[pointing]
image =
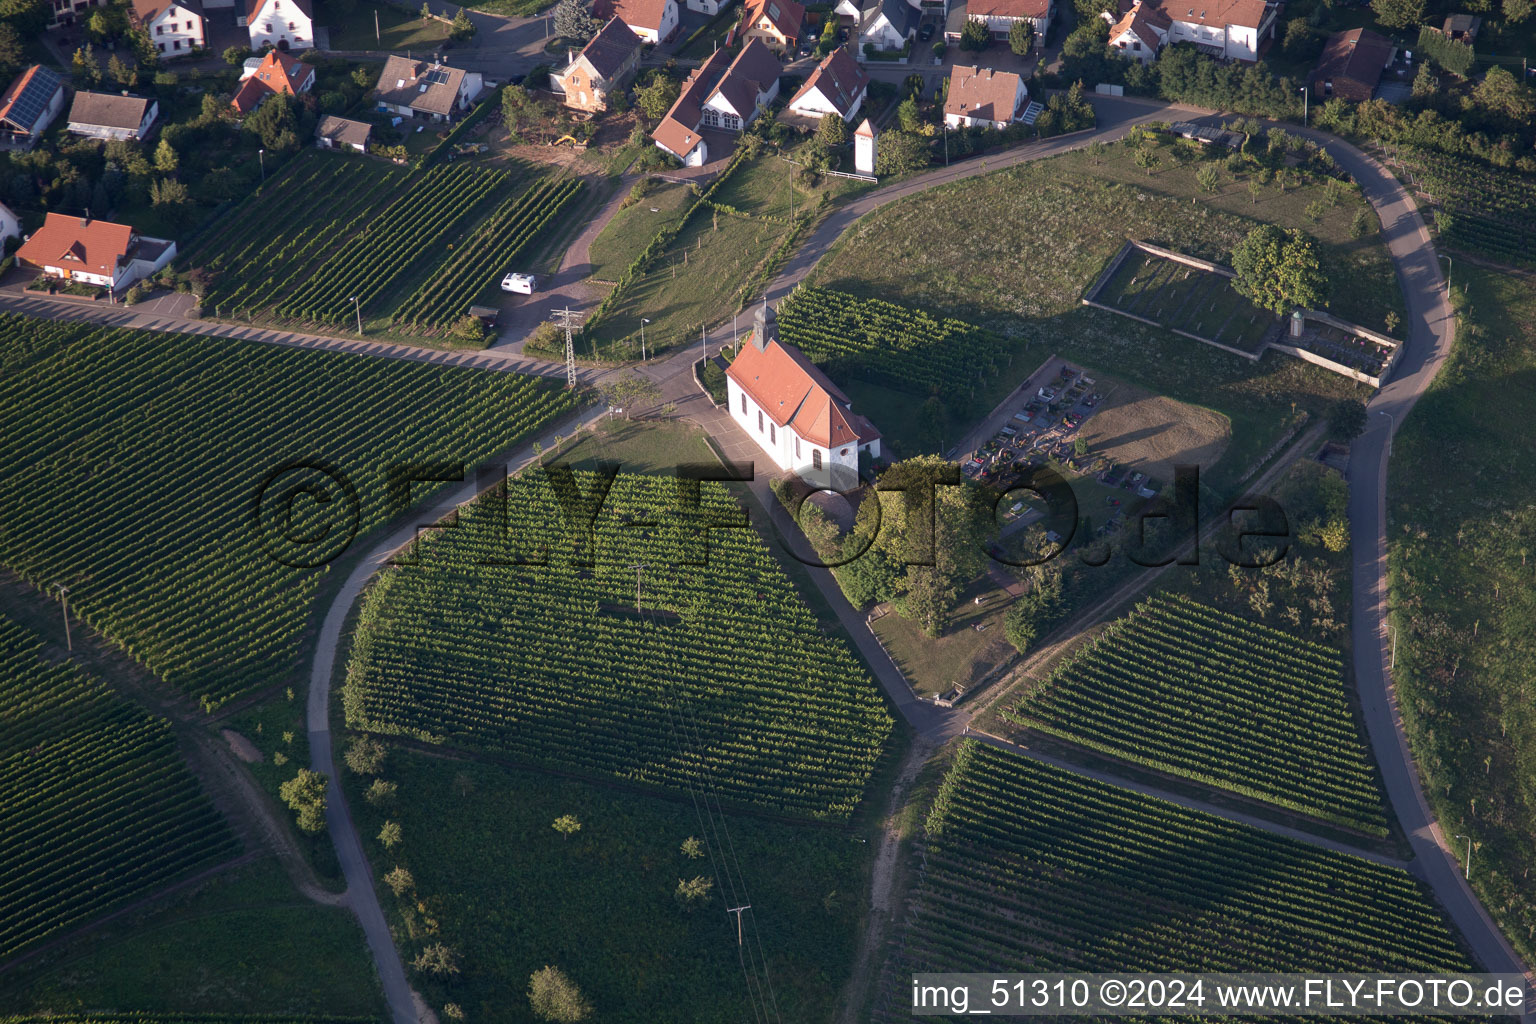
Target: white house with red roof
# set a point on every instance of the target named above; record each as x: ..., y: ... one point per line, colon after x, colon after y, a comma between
x: 654, y: 21
x: 94, y: 252
x: 284, y: 24
x: 837, y: 86
x: 275, y: 73
x: 1229, y: 29
x: 678, y: 133
x: 798, y: 417
x: 745, y: 90
x: 983, y: 96
x: 1000, y: 16
x: 175, y: 27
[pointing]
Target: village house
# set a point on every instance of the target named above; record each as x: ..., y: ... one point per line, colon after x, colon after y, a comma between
x: 654, y: 21
x: 798, y: 417
x: 678, y: 132
x: 175, y: 28
x: 709, y: 7
x: 776, y: 22
x: 276, y: 73
x: 1001, y: 15
x: 984, y: 96
x: 605, y: 65
x: 888, y: 25
x: 1351, y: 65
x: 431, y: 90
x: 10, y: 224
x: 748, y: 86
x: 284, y: 24
x: 108, y: 115
x: 343, y: 133
x: 30, y: 105
x: 1228, y: 29
x: 837, y: 86
x: 95, y: 252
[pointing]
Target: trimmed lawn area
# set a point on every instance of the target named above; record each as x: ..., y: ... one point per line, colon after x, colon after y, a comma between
x: 513, y: 8
x: 398, y: 29
x: 1186, y: 298
x: 762, y: 187
x: 245, y: 942
x: 964, y: 654
x: 1462, y: 533
x: 632, y: 229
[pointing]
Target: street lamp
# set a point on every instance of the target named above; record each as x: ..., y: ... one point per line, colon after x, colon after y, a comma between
x: 357, y: 307
x: 1468, y: 875
x: 1450, y: 265
x: 1391, y: 428
x: 1306, y: 102
x: 643, y: 322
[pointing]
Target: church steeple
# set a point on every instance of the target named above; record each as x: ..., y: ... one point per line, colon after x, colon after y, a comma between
x: 764, y: 326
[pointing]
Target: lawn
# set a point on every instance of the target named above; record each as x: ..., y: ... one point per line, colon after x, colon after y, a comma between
x: 600, y: 905
x: 632, y: 229
x: 1186, y: 298
x: 513, y: 8
x: 242, y: 943
x: 963, y: 654
x: 1461, y: 531
x: 398, y: 30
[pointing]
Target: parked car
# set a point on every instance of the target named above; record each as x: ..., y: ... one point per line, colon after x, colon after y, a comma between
x: 926, y: 32
x: 522, y: 284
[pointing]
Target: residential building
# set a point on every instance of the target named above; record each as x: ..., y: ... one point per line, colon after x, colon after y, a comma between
x: 94, y: 251
x: 284, y: 24
x: 108, y: 115
x: 433, y: 91
x: 1140, y: 33
x: 10, y: 224
x: 343, y: 133
x: 866, y: 146
x: 29, y: 106
x: 837, y: 86
x: 745, y: 90
x: 1228, y: 29
x: 798, y: 417
x: 984, y: 96
x: 1000, y: 15
x: 709, y: 7
x: 678, y: 133
x: 605, y: 65
x: 1462, y: 27
x: 1351, y: 65
x: 66, y: 12
x: 275, y: 73
x: 175, y: 27
x: 776, y: 22
x: 889, y: 25
x: 654, y: 21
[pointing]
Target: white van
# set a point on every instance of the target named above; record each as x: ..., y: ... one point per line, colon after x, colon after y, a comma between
x: 522, y: 284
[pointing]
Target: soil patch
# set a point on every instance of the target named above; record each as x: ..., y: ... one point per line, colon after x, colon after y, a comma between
x: 1152, y: 434
x: 244, y: 749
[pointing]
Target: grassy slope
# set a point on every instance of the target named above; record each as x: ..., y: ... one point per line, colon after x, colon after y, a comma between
x: 243, y: 942
x: 632, y: 229
x: 1461, y: 532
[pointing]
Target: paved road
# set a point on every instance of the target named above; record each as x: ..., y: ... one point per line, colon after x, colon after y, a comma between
x: 362, y: 894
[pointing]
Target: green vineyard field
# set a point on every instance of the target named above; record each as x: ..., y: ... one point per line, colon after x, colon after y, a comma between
x: 1492, y: 210
x: 135, y: 459
x: 722, y: 678
x: 96, y: 804
x: 1205, y: 694
x: 1029, y: 868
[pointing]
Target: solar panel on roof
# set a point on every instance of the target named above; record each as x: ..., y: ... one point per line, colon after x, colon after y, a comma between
x: 34, y: 99
x: 436, y: 77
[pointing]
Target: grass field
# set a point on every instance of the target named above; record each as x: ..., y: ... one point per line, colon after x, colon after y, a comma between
x: 397, y: 29
x: 244, y: 942
x: 1182, y: 688
x: 96, y: 803
x: 1186, y: 299
x: 1029, y: 868
x: 632, y: 229
x: 141, y: 498
x: 600, y: 905
x: 555, y: 665
x: 1461, y: 532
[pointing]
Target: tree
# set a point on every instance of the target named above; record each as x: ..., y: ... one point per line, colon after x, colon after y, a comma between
x: 832, y: 130
x: 693, y: 891
x: 1399, y: 13
x: 692, y: 848
x: 574, y: 21
x: 656, y: 99
x: 437, y: 959
x: 27, y: 17
x: 908, y: 116
x: 567, y: 825
x: 974, y: 36
x: 1426, y: 83
x: 1021, y: 36
x: 1516, y: 11
x: 399, y: 881
x: 1209, y: 178
x: 389, y: 835
x: 169, y: 192
x: 365, y: 755
x: 1147, y: 161
x: 1502, y: 93
x: 628, y: 392
x: 380, y: 792
x: 123, y: 73
x: 305, y: 795
x: 87, y: 70
x: 1346, y: 420
x: 462, y: 28
x: 13, y: 52
x: 234, y: 56
x: 554, y: 997
x: 1299, y: 40
x: 166, y: 160
x: 426, y: 11
x: 469, y: 330
x: 1279, y: 270
x: 1364, y: 224
x: 899, y: 152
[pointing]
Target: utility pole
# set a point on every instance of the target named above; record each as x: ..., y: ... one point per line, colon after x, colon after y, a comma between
x: 643, y: 322
x: 568, y: 318
x: 64, y: 597
x: 737, y: 911
x: 358, y: 308
x: 735, y: 343
x: 637, y: 567
x: 1450, y: 265
x: 378, y: 36
x: 1468, y: 875
x: 703, y: 348
x: 1392, y: 667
